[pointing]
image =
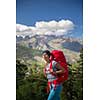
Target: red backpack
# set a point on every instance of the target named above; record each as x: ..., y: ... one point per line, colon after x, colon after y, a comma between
x: 59, y: 57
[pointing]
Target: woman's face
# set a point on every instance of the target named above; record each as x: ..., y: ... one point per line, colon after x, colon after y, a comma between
x: 45, y: 57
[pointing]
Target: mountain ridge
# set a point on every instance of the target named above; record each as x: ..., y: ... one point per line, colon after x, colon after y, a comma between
x: 70, y: 46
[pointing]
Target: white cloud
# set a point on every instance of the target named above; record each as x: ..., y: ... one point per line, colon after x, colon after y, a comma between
x: 47, y: 28
x: 20, y: 27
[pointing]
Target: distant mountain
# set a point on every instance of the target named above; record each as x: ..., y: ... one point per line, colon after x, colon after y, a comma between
x: 46, y: 42
x: 70, y: 46
x: 74, y: 46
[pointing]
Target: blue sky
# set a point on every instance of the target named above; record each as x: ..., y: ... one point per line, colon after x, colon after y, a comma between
x: 28, y: 12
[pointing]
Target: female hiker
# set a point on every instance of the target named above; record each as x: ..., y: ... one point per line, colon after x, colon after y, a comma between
x: 52, y: 74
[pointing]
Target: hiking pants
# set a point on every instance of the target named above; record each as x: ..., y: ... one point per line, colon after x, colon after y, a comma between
x: 55, y: 92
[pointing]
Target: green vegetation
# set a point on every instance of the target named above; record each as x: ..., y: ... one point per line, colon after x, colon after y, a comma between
x: 73, y: 87
x: 31, y: 83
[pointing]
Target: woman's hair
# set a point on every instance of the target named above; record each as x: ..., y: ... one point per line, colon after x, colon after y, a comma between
x: 47, y: 52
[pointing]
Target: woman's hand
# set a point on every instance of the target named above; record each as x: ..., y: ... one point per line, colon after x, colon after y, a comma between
x: 61, y: 69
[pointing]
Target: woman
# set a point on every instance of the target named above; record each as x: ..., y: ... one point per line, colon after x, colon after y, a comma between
x: 52, y: 74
